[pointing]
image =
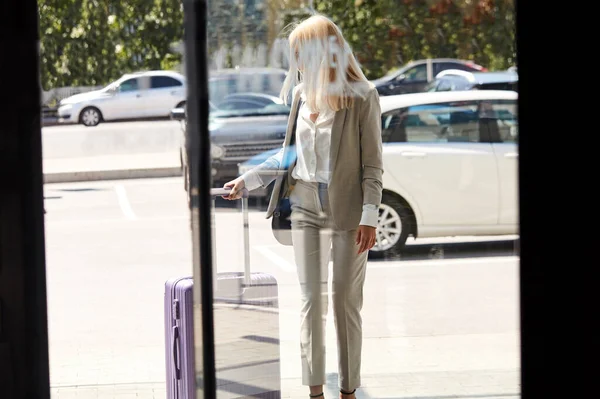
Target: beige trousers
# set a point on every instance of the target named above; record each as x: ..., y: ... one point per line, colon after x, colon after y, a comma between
x: 315, y: 239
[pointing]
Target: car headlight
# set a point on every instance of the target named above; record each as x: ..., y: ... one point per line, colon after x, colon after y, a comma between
x: 216, y: 152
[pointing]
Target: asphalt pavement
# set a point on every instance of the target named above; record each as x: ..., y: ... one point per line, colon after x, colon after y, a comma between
x: 439, y: 322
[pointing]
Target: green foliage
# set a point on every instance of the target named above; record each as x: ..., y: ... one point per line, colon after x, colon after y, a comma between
x: 385, y: 34
x: 92, y: 42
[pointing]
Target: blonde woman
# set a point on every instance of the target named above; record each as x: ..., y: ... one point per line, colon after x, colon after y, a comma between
x: 334, y: 187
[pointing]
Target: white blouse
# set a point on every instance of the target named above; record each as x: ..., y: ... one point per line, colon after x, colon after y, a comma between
x: 313, y: 143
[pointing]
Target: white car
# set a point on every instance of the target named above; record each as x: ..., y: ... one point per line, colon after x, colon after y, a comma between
x: 450, y: 166
x: 138, y: 95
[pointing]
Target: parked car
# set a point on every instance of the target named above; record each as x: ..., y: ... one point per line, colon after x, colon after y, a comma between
x: 236, y: 136
x: 450, y: 166
x: 414, y: 76
x: 453, y: 79
x: 224, y: 82
x: 148, y: 94
x: 239, y: 101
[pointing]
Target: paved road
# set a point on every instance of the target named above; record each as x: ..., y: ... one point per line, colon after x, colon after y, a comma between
x: 78, y: 141
x: 440, y: 322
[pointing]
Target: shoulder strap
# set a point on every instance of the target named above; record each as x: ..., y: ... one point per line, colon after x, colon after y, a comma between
x: 288, y: 155
x: 293, y: 138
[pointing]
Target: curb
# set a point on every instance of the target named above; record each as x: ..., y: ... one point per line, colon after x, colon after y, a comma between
x: 50, y: 122
x: 93, y: 175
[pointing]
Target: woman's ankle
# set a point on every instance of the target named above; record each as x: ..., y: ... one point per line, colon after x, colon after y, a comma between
x: 316, y: 391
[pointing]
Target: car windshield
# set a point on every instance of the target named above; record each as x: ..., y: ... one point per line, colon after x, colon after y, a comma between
x: 396, y: 71
x: 110, y: 86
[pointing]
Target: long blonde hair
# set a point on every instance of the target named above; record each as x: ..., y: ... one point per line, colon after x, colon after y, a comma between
x: 330, y: 75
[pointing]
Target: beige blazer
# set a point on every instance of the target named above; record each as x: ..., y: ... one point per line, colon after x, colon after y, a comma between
x: 355, y: 159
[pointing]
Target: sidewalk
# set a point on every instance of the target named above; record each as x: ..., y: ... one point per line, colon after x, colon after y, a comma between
x: 112, y: 167
x: 433, y: 329
x: 421, y: 367
x: 249, y: 364
x: 256, y: 347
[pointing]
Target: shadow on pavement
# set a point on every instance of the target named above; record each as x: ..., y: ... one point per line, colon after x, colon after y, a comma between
x: 77, y: 190
x: 452, y: 250
x: 457, y: 250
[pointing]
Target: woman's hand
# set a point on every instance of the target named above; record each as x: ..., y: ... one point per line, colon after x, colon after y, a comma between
x: 236, y: 186
x: 365, y: 238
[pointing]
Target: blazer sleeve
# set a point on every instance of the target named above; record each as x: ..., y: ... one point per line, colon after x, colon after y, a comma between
x: 371, y: 148
x: 266, y: 172
x: 262, y: 175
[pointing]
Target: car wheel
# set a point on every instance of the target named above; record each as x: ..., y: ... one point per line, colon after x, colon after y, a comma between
x: 90, y: 116
x: 180, y: 105
x: 393, y: 227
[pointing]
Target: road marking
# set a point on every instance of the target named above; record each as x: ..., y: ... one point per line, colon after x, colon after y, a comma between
x: 276, y: 259
x: 442, y: 262
x: 124, y: 202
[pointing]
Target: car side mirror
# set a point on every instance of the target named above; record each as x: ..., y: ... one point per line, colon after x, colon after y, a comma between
x: 400, y: 77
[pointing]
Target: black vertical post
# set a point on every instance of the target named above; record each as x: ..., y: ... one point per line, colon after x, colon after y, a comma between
x: 200, y: 181
x: 24, y: 369
x: 537, y: 230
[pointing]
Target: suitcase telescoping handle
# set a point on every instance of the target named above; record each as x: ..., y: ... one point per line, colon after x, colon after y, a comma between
x: 216, y: 192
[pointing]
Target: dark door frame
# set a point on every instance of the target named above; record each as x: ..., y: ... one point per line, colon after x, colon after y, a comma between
x: 24, y: 368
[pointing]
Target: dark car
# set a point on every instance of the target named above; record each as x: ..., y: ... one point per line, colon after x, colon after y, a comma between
x: 236, y: 136
x: 414, y: 76
x: 225, y: 82
x: 451, y: 80
x: 238, y: 101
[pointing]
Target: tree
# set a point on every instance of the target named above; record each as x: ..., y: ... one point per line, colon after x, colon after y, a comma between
x: 385, y: 34
x: 92, y: 42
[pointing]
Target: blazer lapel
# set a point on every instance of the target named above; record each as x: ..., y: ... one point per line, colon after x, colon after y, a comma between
x: 336, y: 136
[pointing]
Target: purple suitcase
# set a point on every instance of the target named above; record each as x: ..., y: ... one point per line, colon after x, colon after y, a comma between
x: 179, y: 338
x: 261, y: 336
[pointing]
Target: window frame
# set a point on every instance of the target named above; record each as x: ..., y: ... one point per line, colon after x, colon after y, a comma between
x: 483, y: 134
x: 406, y: 74
x: 495, y: 137
x: 155, y: 77
x: 137, y: 84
